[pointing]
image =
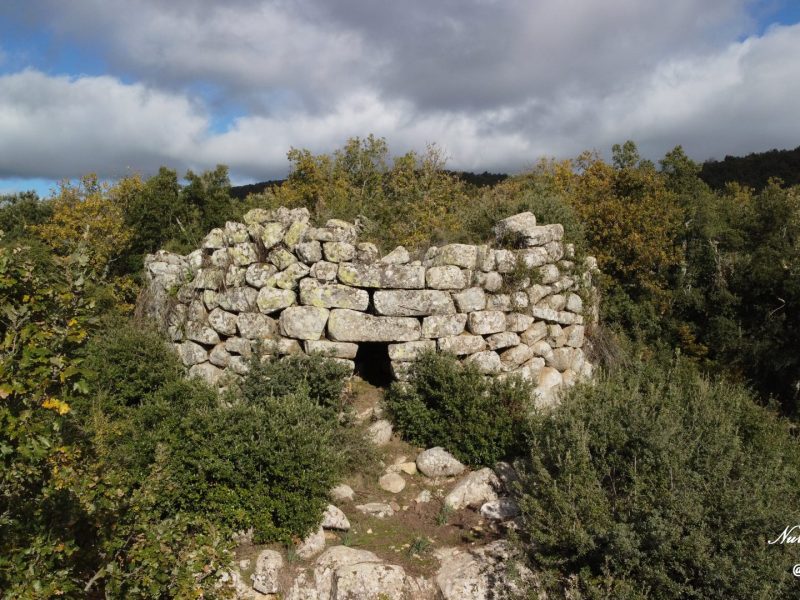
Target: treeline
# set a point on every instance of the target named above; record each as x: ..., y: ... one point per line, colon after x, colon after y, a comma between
x: 754, y: 170
x: 91, y: 506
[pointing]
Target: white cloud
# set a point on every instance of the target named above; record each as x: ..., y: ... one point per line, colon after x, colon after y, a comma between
x: 734, y: 98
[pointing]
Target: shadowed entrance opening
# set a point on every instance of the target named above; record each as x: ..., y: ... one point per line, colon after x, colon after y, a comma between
x: 373, y: 365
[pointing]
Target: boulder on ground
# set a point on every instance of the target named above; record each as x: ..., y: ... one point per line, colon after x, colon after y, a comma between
x: 438, y: 462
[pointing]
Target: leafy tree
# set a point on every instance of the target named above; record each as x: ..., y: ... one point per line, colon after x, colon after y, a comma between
x: 209, y: 195
x: 20, y: 211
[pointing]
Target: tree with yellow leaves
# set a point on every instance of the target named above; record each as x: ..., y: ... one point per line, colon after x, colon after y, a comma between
x: 88, y: 219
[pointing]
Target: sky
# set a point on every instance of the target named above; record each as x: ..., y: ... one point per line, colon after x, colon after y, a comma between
x: 118, y: 87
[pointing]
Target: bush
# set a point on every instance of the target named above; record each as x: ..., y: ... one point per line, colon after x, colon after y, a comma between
x: 322, y: 380
x: 450, y: 404
x: 658, y: 483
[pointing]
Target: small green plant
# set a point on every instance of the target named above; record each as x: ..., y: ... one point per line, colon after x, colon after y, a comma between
x: 444, y: 514
x: 419, y: 546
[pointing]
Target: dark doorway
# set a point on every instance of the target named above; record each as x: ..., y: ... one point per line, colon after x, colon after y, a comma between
x: 373, y: 365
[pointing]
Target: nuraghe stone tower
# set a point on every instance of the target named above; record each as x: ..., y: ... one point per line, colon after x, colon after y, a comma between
x: 278, y: 283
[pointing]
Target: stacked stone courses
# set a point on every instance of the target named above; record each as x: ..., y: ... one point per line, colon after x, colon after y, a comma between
x: 278, y: 285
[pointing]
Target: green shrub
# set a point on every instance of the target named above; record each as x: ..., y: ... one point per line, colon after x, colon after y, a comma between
x: 450, y: 404
x: 658, y: 483
x: 319, y: 378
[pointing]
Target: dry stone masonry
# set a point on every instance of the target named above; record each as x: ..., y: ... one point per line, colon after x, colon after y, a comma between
x: 280, y: 285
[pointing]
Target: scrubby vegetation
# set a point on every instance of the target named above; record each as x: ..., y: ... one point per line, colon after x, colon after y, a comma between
x: 121, y: 479
x: 451, y: 404
x: 660, y: 483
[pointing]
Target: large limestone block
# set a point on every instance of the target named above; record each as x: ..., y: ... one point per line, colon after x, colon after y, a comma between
x: 409, y: 277
x: 334, y: 518
x: 337, y: 252
x: 271, y: 234
x: 533, y: 257
x: 514, y: 226
x: 208, y: 279
x: 207, y: 372
x: 222, y: 321
x: 360, y: 274
x: 309, y: 252
x: 412, y: 303
x: 491, y: 281
x: 437, y: 326
x: 367, y: 252
x: 243, y: 254
x: 566, y: 358
x: 236, y: 233
x: 197, y: 332
x: 304, y: 322
x: 346, y: 325
x: 460, y: 255
x: 398, y: 256
x: 254, y: 326
x: 237, y: 345
x: 575, y: 335
x: 462, y: 344
x: 561, y: 317
x: 534, y: 333
x: 516, y: 356
x: 332, y: 295
x: 488, y: 362
x: 324, y: 271
x: 272, y: 300
x: 447, y: 277
x: 259, y: 275
x: 408, y: 351
x: 335, y: 558
x: 241, y: 299
x: 219, y: 356
x: 470, y: 300
x: 346, y: 350
x: 518, y: 322
x: 191, y: 353
x: 506, y: 260
x: 575, y: 304
x: 504, y: 339
x: 288, y: 278
x: 485, y: 322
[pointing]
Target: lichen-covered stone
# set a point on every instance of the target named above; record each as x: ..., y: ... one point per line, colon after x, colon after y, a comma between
x: 288, y: 278
x: 461, y: 344
x: 235, y: 233
x: 518, y: 322
x: 575, y: 336
x: 208, y: 279
x: 219, y: 356
x: 516, y: 356
x: 533, y: 257
x: 243, y: 254
x: 412, y: 303
x: 281, y: 258
x: 504, y: 339
x: 259, y: 275
x: 534, y: 333
x: 408, y: 351
x: 309, y: 252
x: 499, y: 302
x: 488, y: 362
x: 351, y: 326
x: 324, y: 271
x: 237, y: 345
x: 367, y: 252
x: 222, y: 321
x: 191, y: 353
x: 198, y: 332
x: 304, y: 322
x: 398, y: 256
x: 295, y: 233
x: 272, y: 300
x: 207, y: 372
x: 460, y: 255
x: 255, y: 326
x: 438, y: 462
x: 491, y: 282
x: 215, y: 239
x: 470, y: 300
x: 332, y: 295
x: 574, y: 304
x: 409, y: 277
x: 446, y: 277
x: 437, y: 326
x: 337, y: 252
x: 360, y: 275
x: 333, y: 349
x: 485, y: 322
x: 241, y: 299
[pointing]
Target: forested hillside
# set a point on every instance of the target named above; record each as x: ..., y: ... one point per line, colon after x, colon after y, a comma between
x: 754, y: 170
x: 123, y: 479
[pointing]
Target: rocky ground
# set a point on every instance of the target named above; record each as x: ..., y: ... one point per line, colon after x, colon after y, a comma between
x: 419, y: 524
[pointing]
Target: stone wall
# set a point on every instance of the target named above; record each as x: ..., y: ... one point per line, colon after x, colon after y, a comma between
x: 278, y: 281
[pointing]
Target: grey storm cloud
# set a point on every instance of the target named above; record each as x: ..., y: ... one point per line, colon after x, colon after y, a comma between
x: 498, y: 83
